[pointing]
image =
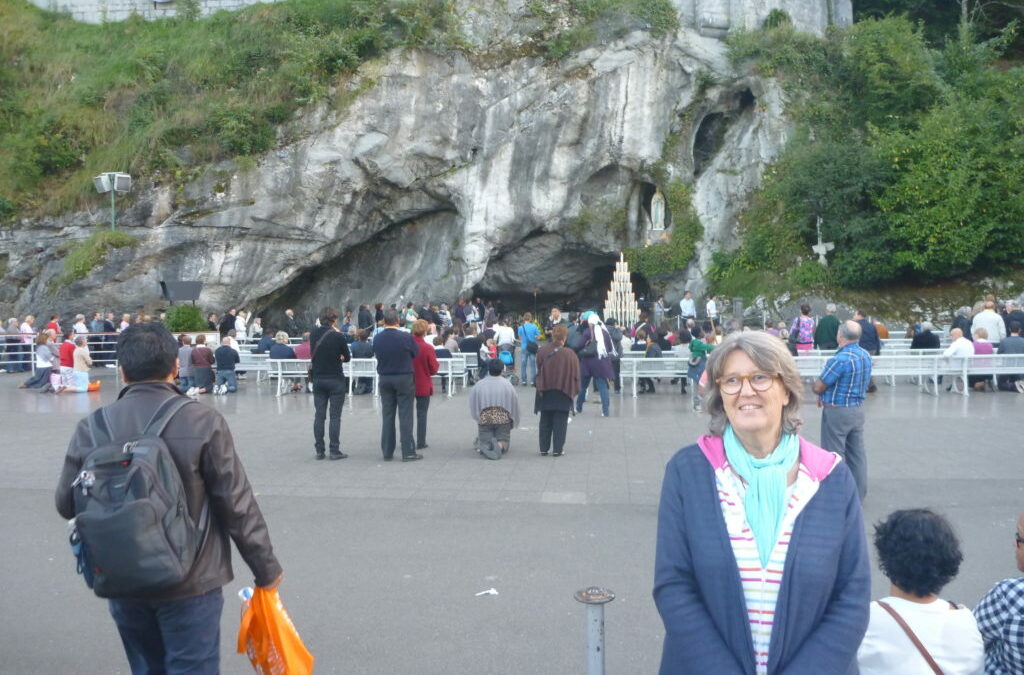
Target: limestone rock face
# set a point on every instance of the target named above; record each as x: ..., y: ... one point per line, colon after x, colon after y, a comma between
x: 450, y: 174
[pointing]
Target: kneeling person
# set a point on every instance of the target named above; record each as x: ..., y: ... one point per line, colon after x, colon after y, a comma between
x: 494, y: 404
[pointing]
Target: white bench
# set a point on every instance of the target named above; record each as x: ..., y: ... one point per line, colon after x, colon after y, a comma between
x: 253, y: 363
x: 927, y: 367
x: 668, y: 366
x: 453, y: 369
x: 360, y: 368
x: 287, y: 369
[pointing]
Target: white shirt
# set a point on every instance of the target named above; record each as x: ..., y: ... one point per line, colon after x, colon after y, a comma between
x: 991, y: 322
x: 240, y: 325
x: 959, y: 348
x: 687, y: 307
x: 712, y: 309
x: 950, y: 635
x: 504, y: 335
x: 80, y: 328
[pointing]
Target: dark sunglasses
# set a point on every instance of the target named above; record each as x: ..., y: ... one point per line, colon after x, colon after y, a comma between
x: 1020, y: 539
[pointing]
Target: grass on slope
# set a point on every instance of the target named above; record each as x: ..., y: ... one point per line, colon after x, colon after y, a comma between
x: 77, y: 99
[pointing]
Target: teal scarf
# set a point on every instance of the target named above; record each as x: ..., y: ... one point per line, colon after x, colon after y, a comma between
x: 765, y: 500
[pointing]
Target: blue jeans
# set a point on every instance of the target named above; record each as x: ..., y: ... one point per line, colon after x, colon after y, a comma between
x: 177, y: 636
x: 186, y: 382
x: 229, y: 378
x: 602, y: 388
x: 528, y: 367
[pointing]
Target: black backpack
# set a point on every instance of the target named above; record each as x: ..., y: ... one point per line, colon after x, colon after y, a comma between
x: 576, y: 339
x: 132, y: 531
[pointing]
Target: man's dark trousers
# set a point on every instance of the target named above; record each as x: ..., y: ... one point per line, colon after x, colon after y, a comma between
x: 842, y: 431
x: 177, y: 636
x: 396, y: 394
x: 328, y: 390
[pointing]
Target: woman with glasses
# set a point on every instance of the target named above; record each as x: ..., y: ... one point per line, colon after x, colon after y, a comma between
x: 761, y: 563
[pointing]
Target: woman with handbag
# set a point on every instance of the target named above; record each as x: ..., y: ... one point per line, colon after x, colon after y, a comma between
x: 914, y: 631
x: 595, y: 361
x: 801, y: 332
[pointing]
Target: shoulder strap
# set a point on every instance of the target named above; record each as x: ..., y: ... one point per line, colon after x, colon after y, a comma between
x: 164, y: 413
x: 99, y: 429
x: 913, y: 638
x: 313, y: 353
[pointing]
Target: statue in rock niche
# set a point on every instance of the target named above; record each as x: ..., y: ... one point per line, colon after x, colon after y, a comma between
x: 658, y: 210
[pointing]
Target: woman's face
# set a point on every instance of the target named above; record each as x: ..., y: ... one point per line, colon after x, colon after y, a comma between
x: 751, y: 411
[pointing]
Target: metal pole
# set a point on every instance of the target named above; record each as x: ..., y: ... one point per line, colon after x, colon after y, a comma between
x: 113, y: 211
x: 595, y: 599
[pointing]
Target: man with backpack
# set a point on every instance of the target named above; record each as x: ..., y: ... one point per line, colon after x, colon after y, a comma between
x: 156, y: 491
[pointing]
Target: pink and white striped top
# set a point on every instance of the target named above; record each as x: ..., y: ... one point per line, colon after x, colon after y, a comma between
x: 761, y: 584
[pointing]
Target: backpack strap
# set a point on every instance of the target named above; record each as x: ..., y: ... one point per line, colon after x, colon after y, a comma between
x: 99, y: 428
x: 163, y: 414
x: 913, y: 637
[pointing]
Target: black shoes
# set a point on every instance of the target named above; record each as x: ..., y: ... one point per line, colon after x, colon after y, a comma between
x: 543, y: 453
x: 338, y: 455
x: 411, y: 458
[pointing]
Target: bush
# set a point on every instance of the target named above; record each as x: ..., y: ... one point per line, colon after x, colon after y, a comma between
x: 81, y: 258
x: 184, y: 318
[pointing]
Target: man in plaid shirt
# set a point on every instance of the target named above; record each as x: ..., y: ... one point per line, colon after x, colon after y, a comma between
x: 1000, y: 616
x: 841, y: 388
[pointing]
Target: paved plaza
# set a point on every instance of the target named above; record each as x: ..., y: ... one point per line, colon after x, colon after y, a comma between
x: 383, y: 560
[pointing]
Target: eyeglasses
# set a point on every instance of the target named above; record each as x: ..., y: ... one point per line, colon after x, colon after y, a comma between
x: 734, y: 383
x: 1020, y: 539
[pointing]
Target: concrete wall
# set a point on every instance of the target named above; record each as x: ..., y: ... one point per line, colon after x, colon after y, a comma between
x: 98, y: 11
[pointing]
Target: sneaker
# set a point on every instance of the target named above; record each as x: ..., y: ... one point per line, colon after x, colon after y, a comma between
x: 1020, y: 385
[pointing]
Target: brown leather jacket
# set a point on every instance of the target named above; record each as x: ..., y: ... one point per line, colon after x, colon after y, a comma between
x: 203, y: 451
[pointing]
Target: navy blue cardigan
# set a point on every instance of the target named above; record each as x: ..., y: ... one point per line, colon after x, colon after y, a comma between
x: 823, y: 606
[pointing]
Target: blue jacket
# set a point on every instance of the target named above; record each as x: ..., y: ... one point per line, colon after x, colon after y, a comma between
x: 823, y: 607
x: 869, y: 337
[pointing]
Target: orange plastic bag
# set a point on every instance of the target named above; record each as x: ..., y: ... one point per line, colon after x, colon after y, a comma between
x: 269, y: 638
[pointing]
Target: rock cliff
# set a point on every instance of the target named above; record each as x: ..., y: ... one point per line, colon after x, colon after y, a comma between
x: 450, y: 173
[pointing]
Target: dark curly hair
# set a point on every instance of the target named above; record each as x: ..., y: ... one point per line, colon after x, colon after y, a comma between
x: 918, y: 551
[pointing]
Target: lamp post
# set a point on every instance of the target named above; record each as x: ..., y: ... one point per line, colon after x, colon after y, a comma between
x: 113, y: 183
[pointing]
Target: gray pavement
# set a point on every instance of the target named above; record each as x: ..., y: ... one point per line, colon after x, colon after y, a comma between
x: 382, y: 560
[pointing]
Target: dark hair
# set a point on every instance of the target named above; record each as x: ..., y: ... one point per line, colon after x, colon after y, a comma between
x: 805, y: 309
x: 696, y: 333
x: 1015, y: 326
x: 684, y: 335
x: 362, y: 334
x: 918, y: 551
x: 495, y: 367
x: 328, y: 315
x: 390, y: 317
x: 146, y: 351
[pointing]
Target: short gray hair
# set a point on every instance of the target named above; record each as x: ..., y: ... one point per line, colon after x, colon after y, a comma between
x: 830, y: 308
x: 771, y: 356
x: 850, y: 330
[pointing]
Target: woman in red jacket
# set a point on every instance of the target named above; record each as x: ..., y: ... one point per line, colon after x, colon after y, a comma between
x: 424, y: 367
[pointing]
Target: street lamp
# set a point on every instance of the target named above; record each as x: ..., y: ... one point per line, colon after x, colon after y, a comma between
x: 113, y: 183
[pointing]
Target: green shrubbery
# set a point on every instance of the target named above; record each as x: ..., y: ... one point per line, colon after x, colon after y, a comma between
x: 908, y: 153
x: 569, y: 25
x: 185, y: 318
x: 84, y: 256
